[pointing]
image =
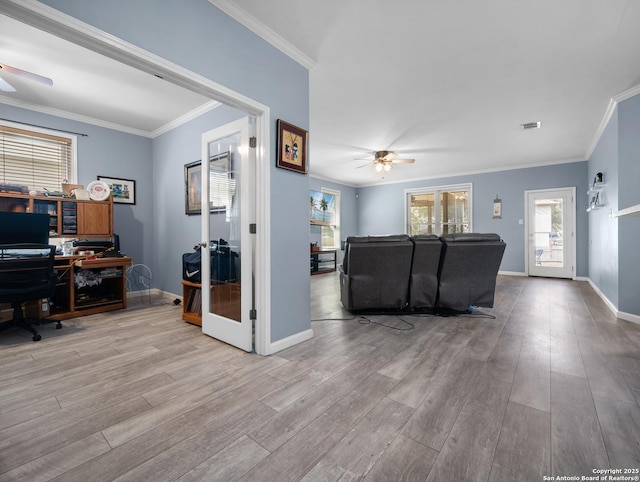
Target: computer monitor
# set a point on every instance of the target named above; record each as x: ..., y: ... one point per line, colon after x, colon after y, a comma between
x: 24, y: 228
x: 116, y: 242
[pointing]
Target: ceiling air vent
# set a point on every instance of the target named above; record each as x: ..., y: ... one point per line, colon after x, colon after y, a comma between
x: 530, y: 125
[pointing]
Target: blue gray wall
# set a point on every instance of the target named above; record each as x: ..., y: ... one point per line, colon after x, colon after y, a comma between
x: 199, y: 37
x: 382, y: 207
x: 603, y: 231
x: 106, y: 152
x: 614, y: 260
x: 629, y: 195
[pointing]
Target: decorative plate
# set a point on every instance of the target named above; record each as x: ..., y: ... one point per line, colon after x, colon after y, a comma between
x: 98, y: 190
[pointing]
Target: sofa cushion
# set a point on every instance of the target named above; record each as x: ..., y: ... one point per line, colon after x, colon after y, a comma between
x: 423, y: 284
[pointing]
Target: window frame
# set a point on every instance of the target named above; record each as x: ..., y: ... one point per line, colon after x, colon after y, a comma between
x: 336, y: 219
x: 73, y: 138
x: 436, y: 191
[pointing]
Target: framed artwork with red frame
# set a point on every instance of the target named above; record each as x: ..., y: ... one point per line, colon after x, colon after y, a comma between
x: 291, y: 147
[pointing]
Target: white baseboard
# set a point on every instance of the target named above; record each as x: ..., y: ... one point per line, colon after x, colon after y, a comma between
x: 280, y: 345
x: 155, y: 292
x: 512, y: 273
x: 618, y: 314
x: 629, y: 317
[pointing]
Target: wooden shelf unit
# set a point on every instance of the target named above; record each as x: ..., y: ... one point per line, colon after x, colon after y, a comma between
x: 225, y: 300
x: 68, y: 217
x: 323, y: 261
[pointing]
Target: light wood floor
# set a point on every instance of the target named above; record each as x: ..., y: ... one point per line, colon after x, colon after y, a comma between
x: 550, y: 386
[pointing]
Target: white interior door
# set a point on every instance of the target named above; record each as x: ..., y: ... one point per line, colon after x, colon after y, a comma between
x: 550, y: 236
x: 226, y: 242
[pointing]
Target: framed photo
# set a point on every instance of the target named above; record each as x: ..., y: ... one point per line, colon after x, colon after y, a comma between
x: 122, y: 190
x: 292, y: 147
x: 497, y: 208
x: 222, y: 185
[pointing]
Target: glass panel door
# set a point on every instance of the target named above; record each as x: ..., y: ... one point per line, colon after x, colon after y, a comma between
x: 550, y: 233
x: 225, y: 227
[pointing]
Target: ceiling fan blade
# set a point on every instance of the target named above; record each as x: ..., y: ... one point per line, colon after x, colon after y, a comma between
x: 27, y: 75
x: 6, y: 86
x: 364, y: 165
x: 403, y: 161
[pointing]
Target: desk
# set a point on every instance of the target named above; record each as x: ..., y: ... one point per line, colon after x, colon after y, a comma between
x: 89, y: 286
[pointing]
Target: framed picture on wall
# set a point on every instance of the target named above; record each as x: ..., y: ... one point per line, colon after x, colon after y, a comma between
x: 497, y: 208
x: 122, y: 190
x: 292, y: 147
x: 221, y: 185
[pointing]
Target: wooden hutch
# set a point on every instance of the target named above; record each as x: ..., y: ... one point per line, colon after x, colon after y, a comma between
x: 72, y: 218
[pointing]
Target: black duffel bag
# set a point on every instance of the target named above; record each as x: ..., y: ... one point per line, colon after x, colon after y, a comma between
x: 223, y: 267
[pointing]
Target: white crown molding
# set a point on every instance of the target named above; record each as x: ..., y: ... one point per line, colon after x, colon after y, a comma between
x: 613, y: 103
x: 183, y: 119
x: 472, y: 173
x: 611, y: 108
x: 333, y: 181
x: 627, y: 94
x: 71, y: 116
x: 252, y: 23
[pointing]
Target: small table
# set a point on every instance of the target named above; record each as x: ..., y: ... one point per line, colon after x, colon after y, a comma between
x: 323, y: 261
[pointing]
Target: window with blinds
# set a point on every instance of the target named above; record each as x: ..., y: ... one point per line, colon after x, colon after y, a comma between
x: 35, y: 159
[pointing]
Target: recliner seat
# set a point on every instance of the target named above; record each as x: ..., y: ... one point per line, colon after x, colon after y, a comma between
x: 469, y: 269
x: 375, y: 272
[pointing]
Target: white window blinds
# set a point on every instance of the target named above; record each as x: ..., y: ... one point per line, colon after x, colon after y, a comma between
x: 37, y: 160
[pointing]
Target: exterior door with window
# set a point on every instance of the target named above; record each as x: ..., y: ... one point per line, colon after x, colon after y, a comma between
x: 227, y: 245
x: 550, y: 233
x: 440, y: 210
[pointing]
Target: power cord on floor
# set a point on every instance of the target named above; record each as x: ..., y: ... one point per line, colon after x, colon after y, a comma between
x: 365, y: 320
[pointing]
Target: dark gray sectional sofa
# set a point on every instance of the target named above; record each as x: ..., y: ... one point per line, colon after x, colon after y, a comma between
x: 424, y: 273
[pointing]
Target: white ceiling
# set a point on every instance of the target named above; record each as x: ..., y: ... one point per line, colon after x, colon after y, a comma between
x: 445, y: 82
x: 88, y: 86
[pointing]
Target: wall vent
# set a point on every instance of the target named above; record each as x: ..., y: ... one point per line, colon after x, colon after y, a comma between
x: 530, y: 125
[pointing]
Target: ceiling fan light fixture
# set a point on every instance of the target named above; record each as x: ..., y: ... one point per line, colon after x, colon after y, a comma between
x: 379, y: 166
x: 387, y: 167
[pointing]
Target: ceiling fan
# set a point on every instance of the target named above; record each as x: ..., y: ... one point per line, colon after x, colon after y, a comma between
x: 7, y: 87
x: 382, y: 161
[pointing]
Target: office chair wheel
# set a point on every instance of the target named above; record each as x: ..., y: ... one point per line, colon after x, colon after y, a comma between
x: 36, y: 337
x: 58, y: 326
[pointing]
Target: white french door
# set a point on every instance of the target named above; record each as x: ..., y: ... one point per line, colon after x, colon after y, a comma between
x: 226, y: 242
x: 550, y: 236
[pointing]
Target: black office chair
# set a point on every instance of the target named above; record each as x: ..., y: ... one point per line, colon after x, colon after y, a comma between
x: 26, y: 274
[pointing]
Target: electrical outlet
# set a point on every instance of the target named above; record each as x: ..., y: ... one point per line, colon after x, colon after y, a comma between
x: 141, y: 280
